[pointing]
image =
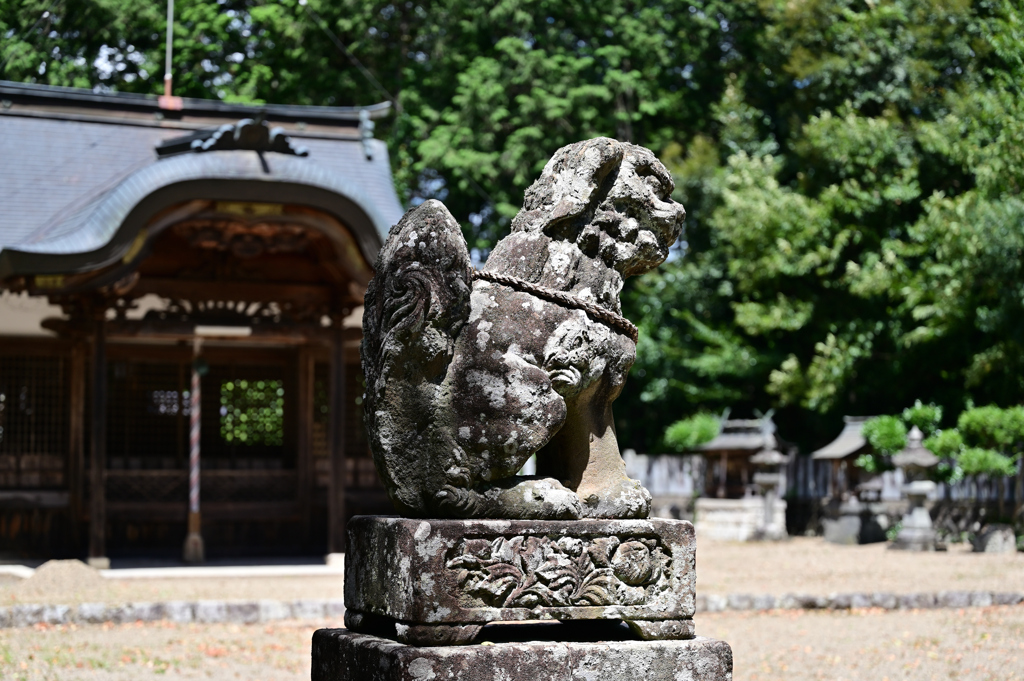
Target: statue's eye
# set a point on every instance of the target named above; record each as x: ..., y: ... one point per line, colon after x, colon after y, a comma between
x: 658, y: 187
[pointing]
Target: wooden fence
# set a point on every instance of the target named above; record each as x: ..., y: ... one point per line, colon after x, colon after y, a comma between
x: 683, y: 475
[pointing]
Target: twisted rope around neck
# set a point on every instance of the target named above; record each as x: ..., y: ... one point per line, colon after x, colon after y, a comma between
x: 597, y: 312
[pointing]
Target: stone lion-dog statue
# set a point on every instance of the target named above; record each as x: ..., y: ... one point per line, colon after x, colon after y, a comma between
x: 470, y: 372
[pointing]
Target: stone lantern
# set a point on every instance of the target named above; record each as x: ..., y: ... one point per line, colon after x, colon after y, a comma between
x: 769, y: 479
x: 917, y: 533
x: 914, y: 460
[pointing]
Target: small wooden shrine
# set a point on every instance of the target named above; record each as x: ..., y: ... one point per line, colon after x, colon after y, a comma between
x: 841, y: 453
x: 729, y: 471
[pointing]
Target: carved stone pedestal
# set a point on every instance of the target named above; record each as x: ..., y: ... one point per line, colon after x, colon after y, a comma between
x: 343, y: 655
x: 438, y: 582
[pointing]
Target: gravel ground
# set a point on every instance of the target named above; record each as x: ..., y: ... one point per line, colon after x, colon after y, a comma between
x: 215, y: 652
x: 813, y: 566
x: 976, y: 644
x: 70, y: 582
x: 979, y: 644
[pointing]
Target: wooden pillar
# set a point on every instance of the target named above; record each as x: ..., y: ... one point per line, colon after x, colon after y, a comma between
x: 76, y: 439
x: 723, y: 475
x: 98, y: 498
x: 194, y: 549
x: 304, y: 387
x: 1018, y: 492
x: 336, y: 445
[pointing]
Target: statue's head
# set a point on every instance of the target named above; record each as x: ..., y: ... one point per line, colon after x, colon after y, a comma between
x: 613, y: 199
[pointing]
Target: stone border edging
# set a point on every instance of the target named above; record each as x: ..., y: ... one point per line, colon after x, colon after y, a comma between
x: 266, y: 610
x: 203, y: 611
x: 846, y: 601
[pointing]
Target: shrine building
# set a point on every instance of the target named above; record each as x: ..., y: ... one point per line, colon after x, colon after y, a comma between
x: 143, y: 245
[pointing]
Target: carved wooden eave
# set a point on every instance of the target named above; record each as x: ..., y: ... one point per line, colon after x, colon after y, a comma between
x: 285, y: 273
x: 247, y: 134
x: 185, y: 331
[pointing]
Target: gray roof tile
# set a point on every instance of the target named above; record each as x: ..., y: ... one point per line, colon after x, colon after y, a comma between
x: 57, y: 177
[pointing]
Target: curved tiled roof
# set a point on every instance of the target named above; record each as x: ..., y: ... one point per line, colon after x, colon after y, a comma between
x: 76, y: 163
x: 850, y: 441
x: 93, y: 226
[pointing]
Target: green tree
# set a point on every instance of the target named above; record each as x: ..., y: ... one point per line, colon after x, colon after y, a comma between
x: 855, y: 222
x: 487, y: 91
x: 852, y: 170
x: 886, y: 435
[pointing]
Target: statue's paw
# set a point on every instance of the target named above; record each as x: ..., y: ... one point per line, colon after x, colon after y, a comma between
x: 531, y: 498
x: 626, y: 499
x: 458, y: 502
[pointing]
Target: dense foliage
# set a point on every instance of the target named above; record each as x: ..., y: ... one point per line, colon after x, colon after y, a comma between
x: 886, y: 434
x: 855, y: 224
x: 852, y: 169
x: 986, y: 440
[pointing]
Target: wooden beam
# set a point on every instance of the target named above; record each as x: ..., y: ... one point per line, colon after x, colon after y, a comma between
x: 97, y: 505
x: 226, y: 353
x: 174, y: 330
x: 33, y: 346
x: 254, y: 292
x: 336, y: 446
x: 212, y: 511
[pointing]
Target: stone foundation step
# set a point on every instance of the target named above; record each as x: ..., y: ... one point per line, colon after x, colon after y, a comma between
x: 343, y: 655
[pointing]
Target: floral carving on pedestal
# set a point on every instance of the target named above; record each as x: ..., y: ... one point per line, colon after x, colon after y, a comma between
x: 526, y: 572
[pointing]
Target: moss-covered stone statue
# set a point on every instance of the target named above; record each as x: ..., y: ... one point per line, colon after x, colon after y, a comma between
x: 469, y: 373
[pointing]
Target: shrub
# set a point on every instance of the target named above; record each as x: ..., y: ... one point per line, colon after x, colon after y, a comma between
x: 872, y: 463
x: 945, y: 444
x: 981, y: 461
x: 982, y: 426
x: 692, y: 432
x: 1012, y: 431
x: 924, y: 416
x: 886, y: 434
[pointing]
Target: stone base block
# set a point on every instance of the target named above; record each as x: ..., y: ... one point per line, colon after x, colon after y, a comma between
x: 996, y: 539
x: 437, y: 582
x: 735, y: 519
x: 343, y: 655
x: 917, y: 533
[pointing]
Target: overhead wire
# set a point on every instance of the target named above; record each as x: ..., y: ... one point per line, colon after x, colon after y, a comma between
x: 322, y: 25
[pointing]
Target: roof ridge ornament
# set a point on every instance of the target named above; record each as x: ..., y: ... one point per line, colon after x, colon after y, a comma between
x: 248, y: 134
x: 366, y: 126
